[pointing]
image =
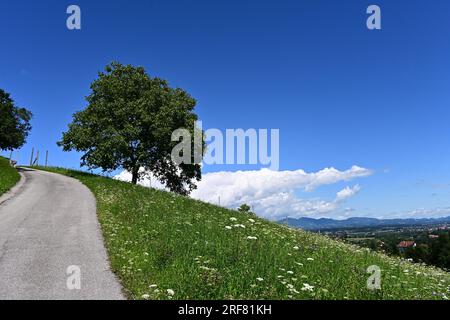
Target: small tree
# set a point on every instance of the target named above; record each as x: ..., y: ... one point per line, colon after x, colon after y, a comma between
x: 14, y: 123
x: 245, y: 208
x: 128, y: 124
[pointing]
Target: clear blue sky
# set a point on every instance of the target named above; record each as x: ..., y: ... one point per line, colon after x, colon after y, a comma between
x: 340, y: 94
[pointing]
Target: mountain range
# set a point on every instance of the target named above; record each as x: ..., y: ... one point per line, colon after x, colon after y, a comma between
x: 358, y: 222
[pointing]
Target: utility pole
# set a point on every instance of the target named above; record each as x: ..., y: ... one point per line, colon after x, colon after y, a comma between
x: 46, y: 158
x: 10, y: 156
x: 37, y: 158
x: 31, y: 159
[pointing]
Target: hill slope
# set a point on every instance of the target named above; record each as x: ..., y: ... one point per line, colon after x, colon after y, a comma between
x: 8, y: 176
x: 163, y: 246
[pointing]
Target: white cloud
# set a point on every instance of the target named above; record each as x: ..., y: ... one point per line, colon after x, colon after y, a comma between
x: 149, y: 181
x: 281, y: 205
x: 347, y: 192
x: 271, y: 193
x: 420, y: 213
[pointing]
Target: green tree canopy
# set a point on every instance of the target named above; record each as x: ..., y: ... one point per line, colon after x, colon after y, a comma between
x: 245, y: 208
x: 128, y: 124
x: 14, y: 123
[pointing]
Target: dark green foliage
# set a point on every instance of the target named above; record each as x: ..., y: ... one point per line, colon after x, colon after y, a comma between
x: 420, y: 254
x: 244, y: 208
x: 440, y: 251
x: 14, y: 123
x: 432, y: 247
x: 128, y: 124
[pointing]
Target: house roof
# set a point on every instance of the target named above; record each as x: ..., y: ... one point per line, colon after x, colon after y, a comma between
x: 406, y: 244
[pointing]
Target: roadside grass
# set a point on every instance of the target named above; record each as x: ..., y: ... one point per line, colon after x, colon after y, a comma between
x: 164, y: 246
x: 8, y: 176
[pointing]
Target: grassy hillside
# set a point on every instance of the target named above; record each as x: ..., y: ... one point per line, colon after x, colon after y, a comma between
x: 164, y: 246
x: 8, y: 176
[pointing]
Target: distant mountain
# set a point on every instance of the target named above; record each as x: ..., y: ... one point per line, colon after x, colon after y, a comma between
x: 324, y: 224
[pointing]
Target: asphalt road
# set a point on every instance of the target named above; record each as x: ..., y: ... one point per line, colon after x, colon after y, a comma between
x: 51, y: 245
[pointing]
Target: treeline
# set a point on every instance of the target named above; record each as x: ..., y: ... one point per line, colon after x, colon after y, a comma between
x: 430, y: 250
x: 434, y: 251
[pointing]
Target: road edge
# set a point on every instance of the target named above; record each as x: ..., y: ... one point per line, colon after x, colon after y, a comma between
x: 14, y: 190
x: 124, y: 296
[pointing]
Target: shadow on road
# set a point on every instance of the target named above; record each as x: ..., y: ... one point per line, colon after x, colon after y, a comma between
x: 21, y: 169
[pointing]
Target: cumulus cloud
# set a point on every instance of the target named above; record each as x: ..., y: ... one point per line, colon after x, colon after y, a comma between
x: 348, y: 192
x: 272, y: 194
x: 286, y: 204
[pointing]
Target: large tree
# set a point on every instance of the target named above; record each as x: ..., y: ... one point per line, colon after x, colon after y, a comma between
x: 128, y: 124
x: 14, y: 123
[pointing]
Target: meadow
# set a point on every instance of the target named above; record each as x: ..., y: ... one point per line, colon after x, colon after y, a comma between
x: 165, y: 246
x: 8, y: 176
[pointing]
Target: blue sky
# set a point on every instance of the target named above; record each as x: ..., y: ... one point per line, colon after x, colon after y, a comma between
x: 340, y: 94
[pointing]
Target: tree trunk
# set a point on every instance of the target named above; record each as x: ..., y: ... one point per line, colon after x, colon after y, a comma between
x: 134, y: 173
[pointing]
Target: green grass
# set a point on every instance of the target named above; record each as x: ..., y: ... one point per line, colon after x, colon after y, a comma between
x: 8, y: 176
x: 158, y: 238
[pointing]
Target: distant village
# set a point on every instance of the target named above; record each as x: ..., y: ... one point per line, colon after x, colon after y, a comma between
x: 428, y: 244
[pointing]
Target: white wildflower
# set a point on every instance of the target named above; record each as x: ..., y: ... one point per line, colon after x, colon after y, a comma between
x: 307, y: 287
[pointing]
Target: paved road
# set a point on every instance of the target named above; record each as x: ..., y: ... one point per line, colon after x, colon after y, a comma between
x: 48, y: 225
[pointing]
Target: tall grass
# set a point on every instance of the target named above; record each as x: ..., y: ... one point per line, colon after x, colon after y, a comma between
x: 163, y: 246
x: 8, y: 176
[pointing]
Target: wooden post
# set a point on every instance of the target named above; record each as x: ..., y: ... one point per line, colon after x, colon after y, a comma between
x: 46, y: 158
x: 31, y: 159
